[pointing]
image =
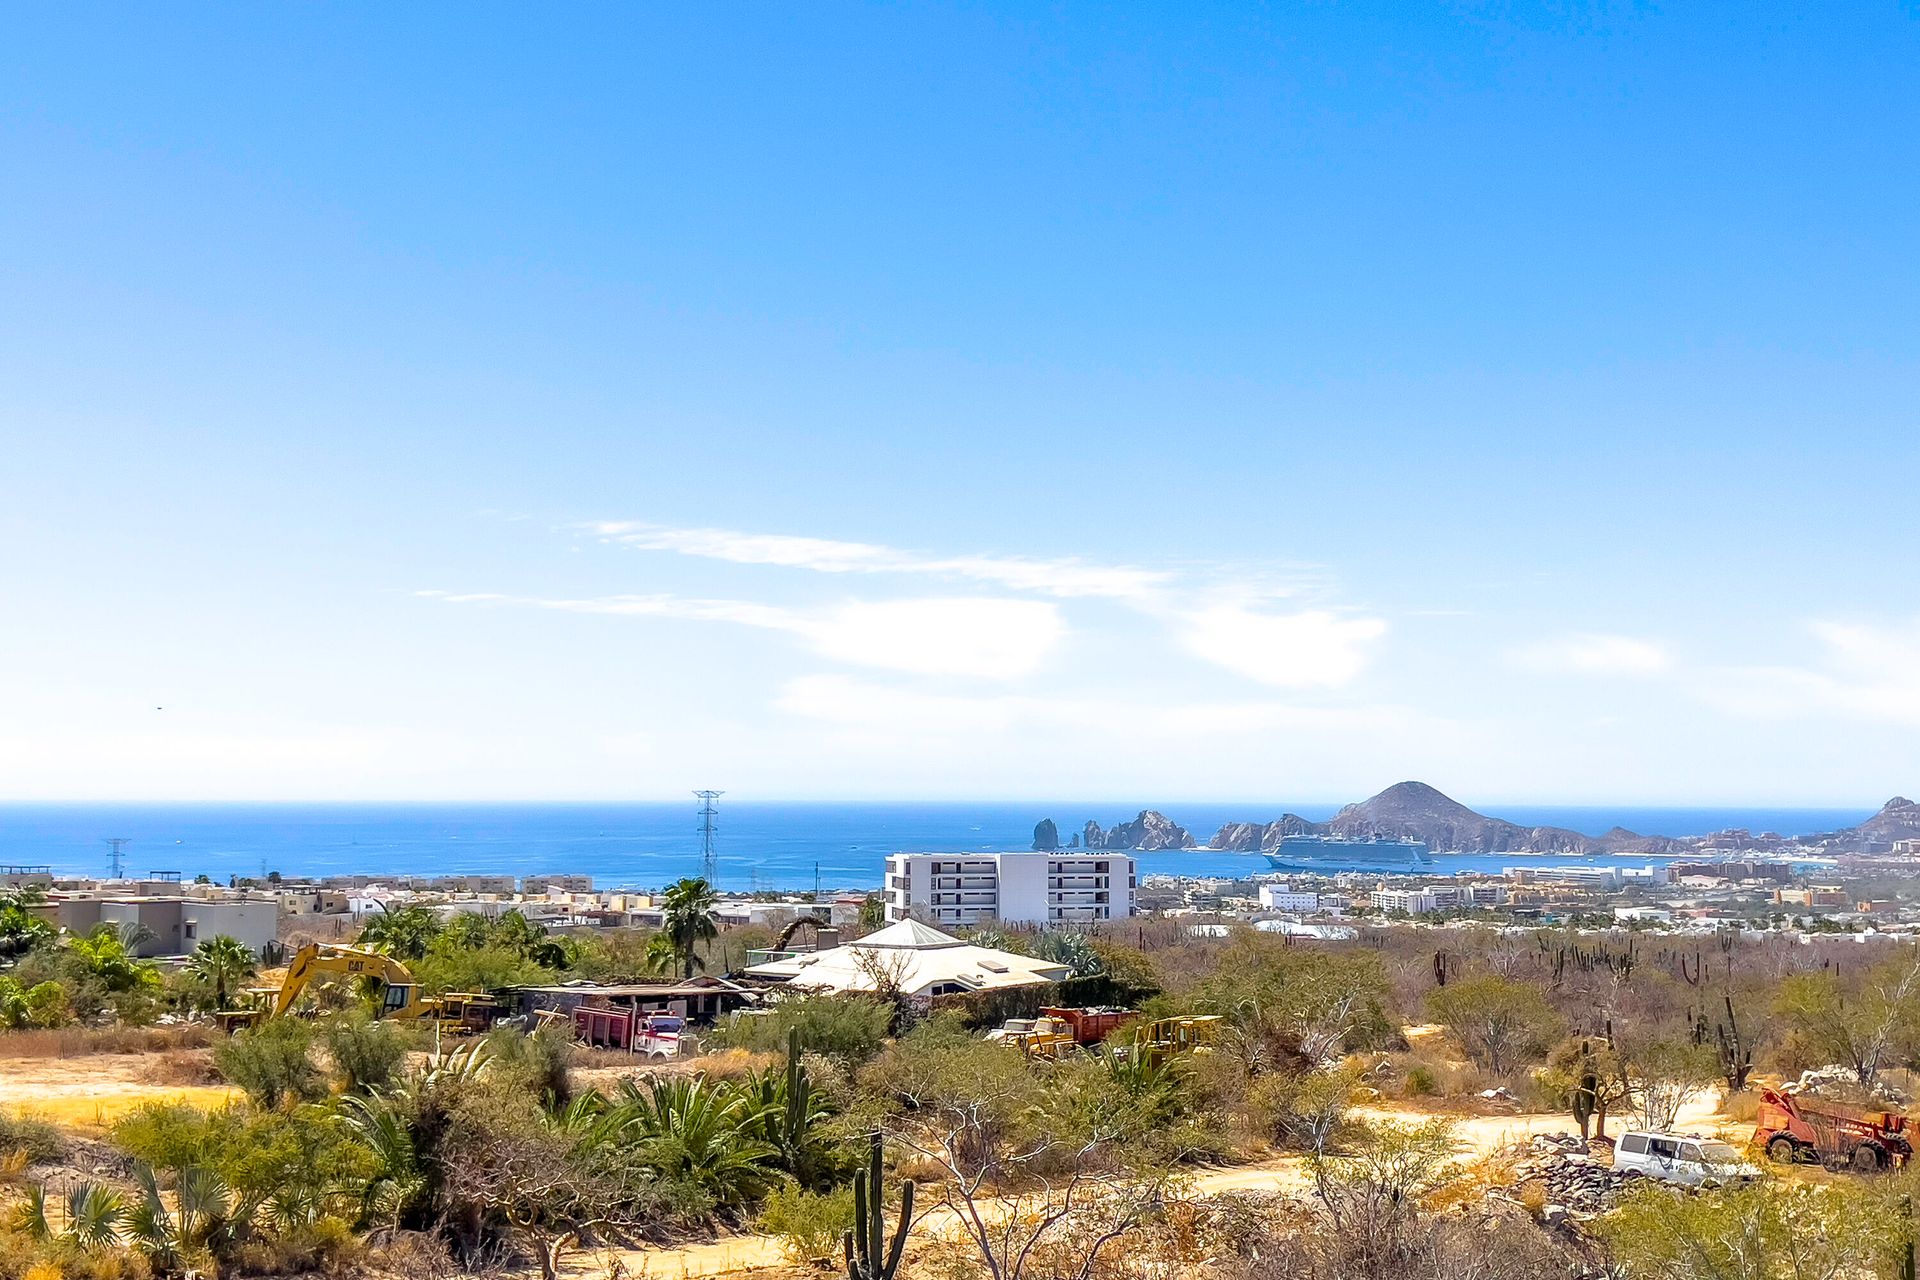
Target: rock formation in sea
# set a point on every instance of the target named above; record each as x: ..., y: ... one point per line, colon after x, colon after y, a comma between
x: 1046, y: 836
x: 1149, y: 832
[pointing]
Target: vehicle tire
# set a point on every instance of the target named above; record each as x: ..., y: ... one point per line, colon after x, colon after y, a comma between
x: 1868, y: 1158
x: 1782, y: 1150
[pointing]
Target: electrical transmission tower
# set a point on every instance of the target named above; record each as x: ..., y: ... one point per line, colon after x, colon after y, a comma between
x: 118, y: 858
x: 709, y: 864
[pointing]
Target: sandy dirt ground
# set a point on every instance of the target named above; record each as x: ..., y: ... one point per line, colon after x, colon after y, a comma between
x: 1479, y: 1136
x: 88, y: 1094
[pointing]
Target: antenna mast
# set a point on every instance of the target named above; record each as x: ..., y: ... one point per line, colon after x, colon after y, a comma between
x: 709, y: 864
x: 118, y: 858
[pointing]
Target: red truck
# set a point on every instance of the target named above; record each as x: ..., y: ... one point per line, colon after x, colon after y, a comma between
x: 1091, y: 1026
x: 1799, y: 1127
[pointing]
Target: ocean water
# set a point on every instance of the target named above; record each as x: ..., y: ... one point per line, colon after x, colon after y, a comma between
x: 761, y: 846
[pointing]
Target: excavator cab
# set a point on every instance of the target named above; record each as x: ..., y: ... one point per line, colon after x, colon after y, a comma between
x: 396, y: 998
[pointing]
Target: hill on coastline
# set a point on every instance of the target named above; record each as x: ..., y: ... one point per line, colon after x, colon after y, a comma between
x: 1416, y: 811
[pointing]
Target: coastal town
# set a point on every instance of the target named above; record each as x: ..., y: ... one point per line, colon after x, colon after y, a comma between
x: 1863, y: 882
x: 959, y: 641
x: 1279, y: 1027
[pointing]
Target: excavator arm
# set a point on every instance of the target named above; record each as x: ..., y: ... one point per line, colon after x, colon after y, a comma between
x: 317, y: 959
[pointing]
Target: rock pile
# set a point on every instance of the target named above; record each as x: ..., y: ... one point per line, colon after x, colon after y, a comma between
x: 1842, y: 1084
x: 1575, y: 1180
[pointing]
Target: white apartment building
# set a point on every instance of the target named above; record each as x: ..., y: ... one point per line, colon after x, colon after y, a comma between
x: 1278, y: 897
x: 1415, y: 901
x: 1054, y: 888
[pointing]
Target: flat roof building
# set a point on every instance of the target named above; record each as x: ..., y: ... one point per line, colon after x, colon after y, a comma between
x: 1056, y: 888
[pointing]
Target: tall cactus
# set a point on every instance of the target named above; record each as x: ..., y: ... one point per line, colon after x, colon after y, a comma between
x: 868, y: 1257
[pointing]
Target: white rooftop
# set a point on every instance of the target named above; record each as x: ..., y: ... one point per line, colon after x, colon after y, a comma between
x: 916, y: 957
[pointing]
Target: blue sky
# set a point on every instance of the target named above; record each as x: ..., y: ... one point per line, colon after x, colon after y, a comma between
x: 959, y: 400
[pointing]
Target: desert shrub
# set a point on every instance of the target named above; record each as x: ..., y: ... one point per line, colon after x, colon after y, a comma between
x: 1421, y: 1082
x: 40, y: 1140
x: 848, y: 1028
x: 540, y: 1062
x: 326, y: 1245
x: 1757, y: 1231
x: 367, y: 1054
x: 136, y: 1006
x: 1500, y: 1022
x: 171, y: 1135
x: 1302, y: 1109
x: 808, y: 1224
x: 272, y: 1062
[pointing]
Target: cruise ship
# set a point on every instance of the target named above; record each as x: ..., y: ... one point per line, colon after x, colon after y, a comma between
x: 1307, y: 852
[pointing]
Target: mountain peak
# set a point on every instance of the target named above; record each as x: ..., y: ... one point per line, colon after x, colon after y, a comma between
x: 1411, y: 800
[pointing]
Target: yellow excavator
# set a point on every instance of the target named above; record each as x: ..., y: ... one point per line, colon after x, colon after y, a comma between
x: 400, y: 997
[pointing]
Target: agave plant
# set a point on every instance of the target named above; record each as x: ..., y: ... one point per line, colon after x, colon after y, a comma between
x: 697, y: 1133
x: 401, y: 1185
x: 458, y: 1064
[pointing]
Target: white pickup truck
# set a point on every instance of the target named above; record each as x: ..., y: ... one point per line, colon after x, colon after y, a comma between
x: 1686, y: 1159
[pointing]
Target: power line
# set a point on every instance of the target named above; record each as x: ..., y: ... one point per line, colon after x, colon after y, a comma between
x: 709, y: 864
x: 118, y: 858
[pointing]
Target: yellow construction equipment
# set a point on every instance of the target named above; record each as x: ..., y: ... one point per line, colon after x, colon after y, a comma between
x: 400, y: 997
x: 1168, y: 1036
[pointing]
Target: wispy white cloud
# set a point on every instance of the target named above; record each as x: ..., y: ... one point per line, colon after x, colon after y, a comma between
x: 1861, y: 672
x: 1597, y: 655
x: 852, y: 703
x: 985, y: 637
x: 1218, y: 613
x: 1067, y: 578
x: 1311, y: 649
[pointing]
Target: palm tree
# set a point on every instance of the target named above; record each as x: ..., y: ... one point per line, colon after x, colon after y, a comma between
x: 403, y: 934
x: 689, y: 918
x: 514, y: 931
x: 221, y: 960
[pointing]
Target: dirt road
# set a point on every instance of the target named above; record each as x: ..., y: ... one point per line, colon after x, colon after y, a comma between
x: 1479, y: 1136
x: 88, y: 1094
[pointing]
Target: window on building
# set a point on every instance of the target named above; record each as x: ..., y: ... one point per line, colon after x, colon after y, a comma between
x: 193, y: 929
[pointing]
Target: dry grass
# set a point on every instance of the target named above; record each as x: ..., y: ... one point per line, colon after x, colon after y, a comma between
x: 181, y: 1066
x: 82, y: 1042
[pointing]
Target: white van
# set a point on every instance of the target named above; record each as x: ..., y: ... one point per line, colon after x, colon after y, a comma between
x: 1687, y: 1159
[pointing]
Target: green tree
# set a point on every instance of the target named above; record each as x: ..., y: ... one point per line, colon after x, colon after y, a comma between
x: 403, y: 932
x: 1866, y: 1027
x: 221, y: 961
x: 22, y: 927
x: 689, y: 917
x: 42, y: 1005
x: 107, y: 953
x: 1501, y: 1022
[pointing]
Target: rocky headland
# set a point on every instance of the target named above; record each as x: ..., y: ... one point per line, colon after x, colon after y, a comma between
x: 1416, y: 811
